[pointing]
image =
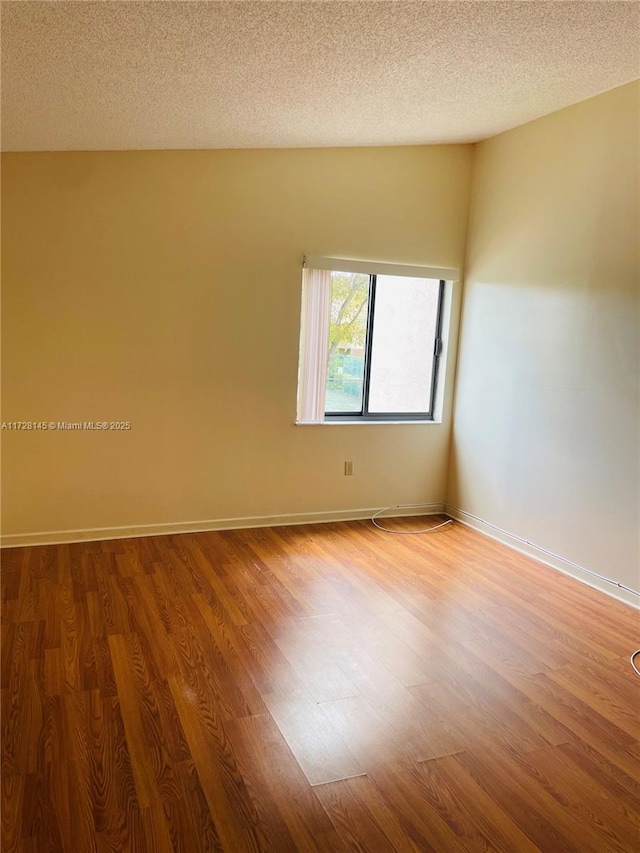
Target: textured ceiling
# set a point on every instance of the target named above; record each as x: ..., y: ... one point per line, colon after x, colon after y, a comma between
x: 126, y: 75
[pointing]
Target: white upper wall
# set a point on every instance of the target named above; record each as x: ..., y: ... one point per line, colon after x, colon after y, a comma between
x: 163, y: 288
x: 546, y: 427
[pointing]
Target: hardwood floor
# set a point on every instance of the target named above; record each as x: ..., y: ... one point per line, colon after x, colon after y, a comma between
x: 316, y: 688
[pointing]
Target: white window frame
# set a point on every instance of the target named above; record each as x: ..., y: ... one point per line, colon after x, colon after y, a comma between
x: 314, y: 336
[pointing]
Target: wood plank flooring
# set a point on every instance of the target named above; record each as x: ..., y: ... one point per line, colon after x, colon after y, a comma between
x: 317, y: 688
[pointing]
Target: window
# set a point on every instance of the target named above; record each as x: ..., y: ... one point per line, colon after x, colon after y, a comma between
x: 371, y: 341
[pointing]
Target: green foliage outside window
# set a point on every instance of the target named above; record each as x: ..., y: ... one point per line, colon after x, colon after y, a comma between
x: 348, y: 328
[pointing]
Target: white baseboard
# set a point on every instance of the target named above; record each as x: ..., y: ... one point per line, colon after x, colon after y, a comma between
x: 542, y: 555
x: 15, y: 540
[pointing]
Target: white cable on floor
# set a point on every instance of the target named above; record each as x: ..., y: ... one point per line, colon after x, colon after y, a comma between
x: 405, y: 532
x: 632, y: 659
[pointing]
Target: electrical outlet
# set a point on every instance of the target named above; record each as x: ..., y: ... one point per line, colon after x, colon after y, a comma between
x: 348, y: 469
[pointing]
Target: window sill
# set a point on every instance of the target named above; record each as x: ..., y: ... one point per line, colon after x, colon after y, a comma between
x: 362, y: 422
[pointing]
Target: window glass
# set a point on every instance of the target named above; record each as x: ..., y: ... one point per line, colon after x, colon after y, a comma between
x: 347, y: 342
x: 404, y: 331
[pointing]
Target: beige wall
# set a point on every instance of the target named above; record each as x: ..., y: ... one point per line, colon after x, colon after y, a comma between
x: 546, y: 439
x: 163, y: 288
